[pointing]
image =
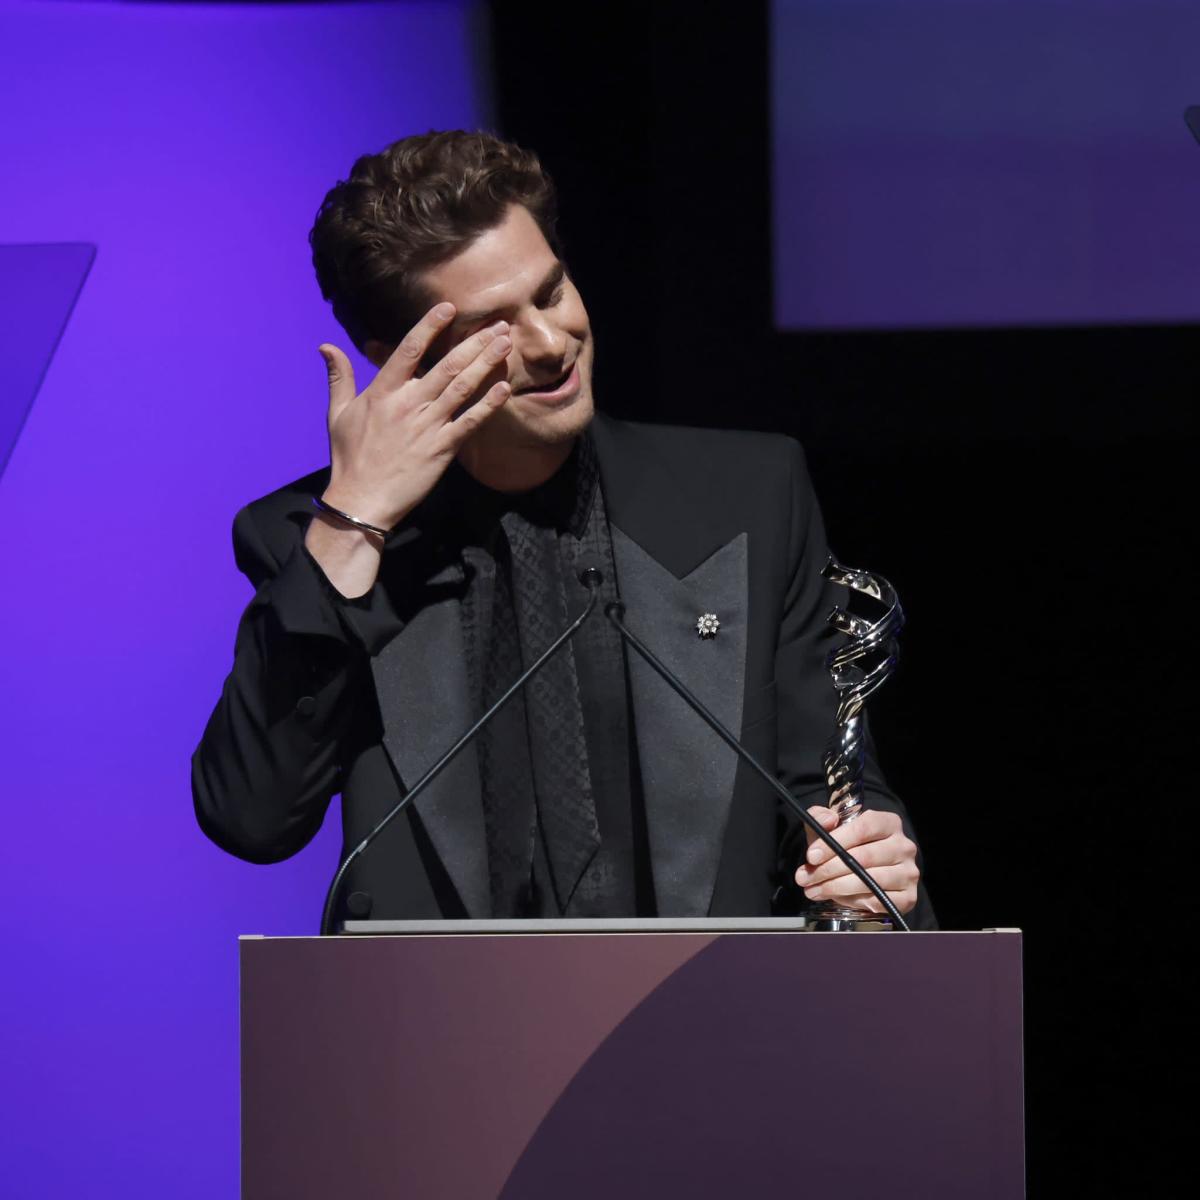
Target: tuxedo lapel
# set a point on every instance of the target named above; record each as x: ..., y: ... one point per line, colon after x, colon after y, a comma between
x: 425, y: 704
x: 687, y: 773
x: 672, y: 566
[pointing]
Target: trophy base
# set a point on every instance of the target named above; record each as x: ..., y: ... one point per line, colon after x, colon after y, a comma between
x: 832, y: 918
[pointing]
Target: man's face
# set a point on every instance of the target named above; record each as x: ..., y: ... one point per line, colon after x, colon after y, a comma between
x: 510, y: 273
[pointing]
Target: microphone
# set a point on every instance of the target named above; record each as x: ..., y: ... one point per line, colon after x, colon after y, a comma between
x: 591, y: 579
x: 615, y: 611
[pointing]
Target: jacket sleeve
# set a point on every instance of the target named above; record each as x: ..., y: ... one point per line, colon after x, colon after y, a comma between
x: 806, y: 696
x: 272, y: 753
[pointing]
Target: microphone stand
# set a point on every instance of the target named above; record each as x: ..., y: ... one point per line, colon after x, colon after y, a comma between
x: 615, y: 611
x: 591, y: 578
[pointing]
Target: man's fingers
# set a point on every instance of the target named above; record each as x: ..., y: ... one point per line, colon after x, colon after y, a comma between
x: 871, y: 825
x: 341, y: 377
x: 892, y: 879
x: 491, y: 402
x: 877, y: 841
x: 827, y: 818
x: 461, y: 382
x: 403, y: 362
x: 873, y: 854
x: 452, y: 365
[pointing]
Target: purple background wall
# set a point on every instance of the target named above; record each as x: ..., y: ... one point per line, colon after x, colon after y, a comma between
x: 984, y: 162
x: 191, y: 144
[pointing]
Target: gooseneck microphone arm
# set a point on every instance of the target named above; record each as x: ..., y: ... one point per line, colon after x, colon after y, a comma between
x: 592, y: 580
x: 615, y: 611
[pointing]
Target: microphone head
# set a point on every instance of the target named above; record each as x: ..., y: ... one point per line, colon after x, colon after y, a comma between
x: 591, y: 578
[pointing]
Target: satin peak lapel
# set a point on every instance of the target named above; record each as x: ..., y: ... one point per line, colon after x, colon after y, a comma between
x: 424, y: 703
x: 687, y: 772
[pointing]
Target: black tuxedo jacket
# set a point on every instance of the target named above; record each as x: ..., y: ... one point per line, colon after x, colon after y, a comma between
x: 359, y: 697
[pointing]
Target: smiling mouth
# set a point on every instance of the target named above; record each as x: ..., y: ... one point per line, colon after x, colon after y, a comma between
x: 551, y: 386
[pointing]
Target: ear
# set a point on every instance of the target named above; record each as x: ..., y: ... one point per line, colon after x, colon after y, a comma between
x: 376, y: 353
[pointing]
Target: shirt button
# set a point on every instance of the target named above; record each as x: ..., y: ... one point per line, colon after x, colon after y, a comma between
x: 306, y: 706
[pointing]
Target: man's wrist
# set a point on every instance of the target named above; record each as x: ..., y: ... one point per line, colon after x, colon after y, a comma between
x: 347, y: 555
x: 348, y: 520
x: 364, y: 507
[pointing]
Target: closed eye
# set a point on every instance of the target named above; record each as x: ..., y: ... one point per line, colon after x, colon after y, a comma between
x: 553, y: 287
x: 555, y: 297
x: 550, y: 293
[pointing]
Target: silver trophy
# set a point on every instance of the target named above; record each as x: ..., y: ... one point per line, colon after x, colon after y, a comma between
x: 859, y: 668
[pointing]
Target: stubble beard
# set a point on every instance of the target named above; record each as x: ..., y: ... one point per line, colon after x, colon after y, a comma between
x: 549, y: 428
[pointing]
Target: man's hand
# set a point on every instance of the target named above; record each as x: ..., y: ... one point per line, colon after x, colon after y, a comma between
x: 391, y: 444
x: 877, y: 840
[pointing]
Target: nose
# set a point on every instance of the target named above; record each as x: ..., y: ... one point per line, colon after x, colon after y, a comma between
x: 542, y: 340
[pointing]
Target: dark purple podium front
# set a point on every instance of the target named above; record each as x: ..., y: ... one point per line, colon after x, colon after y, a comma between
x: 580, y: 1065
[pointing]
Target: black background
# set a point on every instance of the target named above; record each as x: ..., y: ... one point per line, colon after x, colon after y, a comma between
x: 1028, y: 492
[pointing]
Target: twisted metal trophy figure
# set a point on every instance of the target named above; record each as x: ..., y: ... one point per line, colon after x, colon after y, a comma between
x: 859, y: 668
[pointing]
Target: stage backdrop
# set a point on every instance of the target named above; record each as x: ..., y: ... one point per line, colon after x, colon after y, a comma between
x: 190, y: 144
x: 986, y: 162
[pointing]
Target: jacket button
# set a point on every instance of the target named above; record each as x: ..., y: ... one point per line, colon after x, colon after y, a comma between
x: 359, y: 905
x: 306, y: 706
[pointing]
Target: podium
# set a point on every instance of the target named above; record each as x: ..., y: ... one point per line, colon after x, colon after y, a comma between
x: 579, y: 1060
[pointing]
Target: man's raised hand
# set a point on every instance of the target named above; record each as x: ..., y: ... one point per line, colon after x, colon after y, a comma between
x: 390, y: 444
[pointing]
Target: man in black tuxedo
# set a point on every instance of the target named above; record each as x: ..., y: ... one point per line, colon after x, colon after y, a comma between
x: 400, y: 590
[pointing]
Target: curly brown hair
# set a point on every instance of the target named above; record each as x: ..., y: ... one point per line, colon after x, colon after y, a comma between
x: 411, y: 206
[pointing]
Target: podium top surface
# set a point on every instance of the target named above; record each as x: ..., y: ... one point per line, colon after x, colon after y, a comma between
x: 623, y: 925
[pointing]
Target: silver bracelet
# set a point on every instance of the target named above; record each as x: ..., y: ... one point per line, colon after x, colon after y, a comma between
x: 321, y: 506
